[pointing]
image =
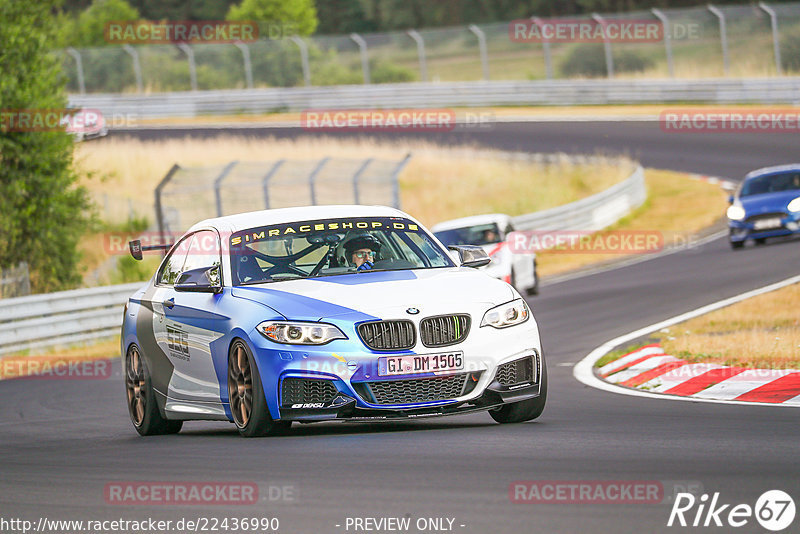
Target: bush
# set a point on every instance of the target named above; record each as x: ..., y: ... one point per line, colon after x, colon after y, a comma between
x: 790, y: 51
x: 590, y: 60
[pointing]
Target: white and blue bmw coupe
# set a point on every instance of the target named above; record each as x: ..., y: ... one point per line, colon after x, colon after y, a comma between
x: 353, y: 313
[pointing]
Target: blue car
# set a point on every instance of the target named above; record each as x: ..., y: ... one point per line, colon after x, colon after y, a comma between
x: 767, y: 204
x: 348, y: 313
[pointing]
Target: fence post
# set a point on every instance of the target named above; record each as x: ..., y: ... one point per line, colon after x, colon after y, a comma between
x: 482, y: 47
x: 159, y: 210
x: 218, y: 185
x: 356, y: 177
x: 79, y: 66
x: 303, y: 58
x: 423, y: 65
x: 723, y: 36
x: 548, y: 60
x: 606, y: 45
x: 313, y: 176
x: 267, y: 178
x: 137, y: 66
x: 667, y: 39
x: 248, y: 66
x: 396, y: 180
x: 362, y: 48
x: 776, y: 44
x: 192, y: 67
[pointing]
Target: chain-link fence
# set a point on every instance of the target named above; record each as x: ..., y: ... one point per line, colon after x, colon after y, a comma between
x: 189, y: 194
x: 15, y: 281
x: 742, y: 41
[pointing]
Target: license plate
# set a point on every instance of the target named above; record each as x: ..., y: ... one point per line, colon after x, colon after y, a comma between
x: 420, y: 363
x: 765, y: 224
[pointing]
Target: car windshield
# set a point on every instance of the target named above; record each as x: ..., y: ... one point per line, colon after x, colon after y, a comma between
x: 331, y: 247
x: 480, y: 234
x: 771, y: 183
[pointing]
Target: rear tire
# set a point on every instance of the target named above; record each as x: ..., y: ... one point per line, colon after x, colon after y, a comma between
x: 142, y: 407
x: 526, y: 410
x: 534, y: 290
x: 246, y: 395
x: 761, y: 241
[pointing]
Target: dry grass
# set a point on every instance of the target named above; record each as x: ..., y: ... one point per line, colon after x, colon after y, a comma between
x: 677, y: 207
x: 761, y: 332
x: 440, y: 183
x: 23, y: 365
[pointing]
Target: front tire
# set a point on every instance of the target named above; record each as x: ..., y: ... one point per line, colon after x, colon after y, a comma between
x: 527, y: 410
x: 246, y: 395
x: 737, y: 244
x: 534, y: 289
x: 142, y: 407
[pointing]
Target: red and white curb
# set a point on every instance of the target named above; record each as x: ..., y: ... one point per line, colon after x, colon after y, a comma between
x: 724, y: 385
x: 649, y: 369
x: 724, y: 183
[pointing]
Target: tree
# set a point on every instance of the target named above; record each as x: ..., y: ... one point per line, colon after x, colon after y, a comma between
x: 42, y: 211
x: 91, y: 24
x: 299, y: 15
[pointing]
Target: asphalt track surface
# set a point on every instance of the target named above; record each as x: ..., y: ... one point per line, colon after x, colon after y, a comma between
x: 62, y: 441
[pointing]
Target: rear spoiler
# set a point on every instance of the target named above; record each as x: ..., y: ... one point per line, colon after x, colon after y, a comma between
x: 136, y: 248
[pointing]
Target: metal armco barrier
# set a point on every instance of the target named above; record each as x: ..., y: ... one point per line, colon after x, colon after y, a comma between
x: 128, y: 108
x: 83, y: 315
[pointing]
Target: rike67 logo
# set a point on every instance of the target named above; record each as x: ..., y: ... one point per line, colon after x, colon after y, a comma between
x: 774, y: 510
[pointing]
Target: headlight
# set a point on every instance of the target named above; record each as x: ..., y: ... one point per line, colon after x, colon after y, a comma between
x: 505, y: 315
x: 794, y: 205
x: 299, y: 333
x: 736, y: 212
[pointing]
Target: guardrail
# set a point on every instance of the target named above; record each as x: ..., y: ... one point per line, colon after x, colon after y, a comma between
x: 127, y: 108
x: 83, y: 315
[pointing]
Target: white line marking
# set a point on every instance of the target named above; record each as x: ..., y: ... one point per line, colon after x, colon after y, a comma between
x: 584, y: 374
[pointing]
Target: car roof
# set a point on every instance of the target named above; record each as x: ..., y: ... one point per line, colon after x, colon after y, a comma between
x: 773, y: 170
x: 254, y: 219
x: 474, y: 220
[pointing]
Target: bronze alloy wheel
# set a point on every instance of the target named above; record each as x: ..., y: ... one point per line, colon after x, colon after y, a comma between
x: 240, y: 385
x: 135, y: 385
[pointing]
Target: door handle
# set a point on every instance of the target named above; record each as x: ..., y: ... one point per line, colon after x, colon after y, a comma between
x: 169, y: 303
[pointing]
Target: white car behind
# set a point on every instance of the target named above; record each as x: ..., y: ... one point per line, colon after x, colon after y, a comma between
x: 491, y: 233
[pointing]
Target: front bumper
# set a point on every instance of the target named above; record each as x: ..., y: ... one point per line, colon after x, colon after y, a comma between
x: 742, y: 230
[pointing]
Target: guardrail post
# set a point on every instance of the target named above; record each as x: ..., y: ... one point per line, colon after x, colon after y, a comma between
x: 218, y: 185
x: 356, y: 177
x: 79, y: 67
x: 267, y: 178
x: 192, y: 67
x: 248, y: 66
x: 396, y: 180
x: 548, y: 60
x: 313, y: 176
x: 159, y: 210
x: 776, y: 45
x: 667, y: 39
x: 303, y: 58
x: 723, y: 37
x: 606, y: 45
x: 423, y: 65
x: 137, y: 66
x: 482, y: 47
x: 362, y: 48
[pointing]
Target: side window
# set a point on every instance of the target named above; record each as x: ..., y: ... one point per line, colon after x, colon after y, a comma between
x: 173, y: 265
x: 203, y: 251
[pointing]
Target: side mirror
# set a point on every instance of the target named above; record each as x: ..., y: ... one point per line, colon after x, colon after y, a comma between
x: 201, y: 280
x: 730, y: 199
x: 471, y: 255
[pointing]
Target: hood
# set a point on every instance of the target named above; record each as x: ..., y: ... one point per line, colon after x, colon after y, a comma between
x: 380, y: 294
x: 768, y: 202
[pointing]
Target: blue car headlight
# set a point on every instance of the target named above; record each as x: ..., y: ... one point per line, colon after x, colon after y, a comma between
x: 299, y: 333
x: 794, y: 205
x: 736, y: 213
x: 505, y: 315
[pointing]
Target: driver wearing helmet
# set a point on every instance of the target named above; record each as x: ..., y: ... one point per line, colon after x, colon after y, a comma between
x: 361, y: 251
